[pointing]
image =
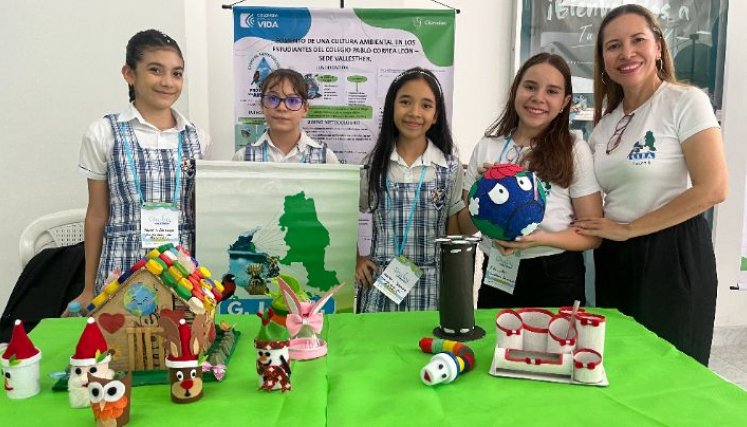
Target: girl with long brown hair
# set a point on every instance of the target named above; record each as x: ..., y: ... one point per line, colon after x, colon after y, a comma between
x: 533, y: 131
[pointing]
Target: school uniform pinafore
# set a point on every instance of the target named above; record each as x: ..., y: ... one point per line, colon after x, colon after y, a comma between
x: 156, y: 169
x: 429, y: 222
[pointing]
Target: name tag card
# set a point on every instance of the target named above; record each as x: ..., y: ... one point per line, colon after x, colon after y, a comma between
x: 159, y: 224
x: 398, y: 278
x: 502, y: 271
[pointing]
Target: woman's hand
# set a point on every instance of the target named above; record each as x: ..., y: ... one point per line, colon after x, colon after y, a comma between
x: 364, y: 271
x: 602, y: 227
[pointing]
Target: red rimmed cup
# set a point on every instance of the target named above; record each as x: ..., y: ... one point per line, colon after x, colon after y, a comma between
x: 591, y: 331
x: 559, y: 339
x: 587, y: 366
x: 536, y: 322
x: 509, y: 326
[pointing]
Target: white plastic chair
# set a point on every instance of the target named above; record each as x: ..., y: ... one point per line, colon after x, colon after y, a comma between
x: 50, y: 231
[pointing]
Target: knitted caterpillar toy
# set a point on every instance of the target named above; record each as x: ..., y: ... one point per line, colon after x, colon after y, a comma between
x: 451, y: 360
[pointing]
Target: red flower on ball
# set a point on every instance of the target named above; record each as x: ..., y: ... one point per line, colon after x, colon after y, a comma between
x: 503, y: 170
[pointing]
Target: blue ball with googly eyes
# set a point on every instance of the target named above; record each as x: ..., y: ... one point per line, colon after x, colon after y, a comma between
x: 507, y: 202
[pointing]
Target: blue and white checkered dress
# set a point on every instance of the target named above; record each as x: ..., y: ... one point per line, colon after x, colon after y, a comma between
x: 429, y: 223
x: 156, y: 169
x: 315, y: 155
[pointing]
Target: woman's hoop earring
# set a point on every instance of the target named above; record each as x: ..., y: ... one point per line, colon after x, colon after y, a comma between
x: 660, y: 65
x: 603, y: 81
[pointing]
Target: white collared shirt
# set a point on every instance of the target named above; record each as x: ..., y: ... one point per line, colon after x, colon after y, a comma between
x: 98, y: 141
x: 295, y: 155
x: 401, y: 172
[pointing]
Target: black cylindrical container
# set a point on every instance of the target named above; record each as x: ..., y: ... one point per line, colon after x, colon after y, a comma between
x: 455, y: 299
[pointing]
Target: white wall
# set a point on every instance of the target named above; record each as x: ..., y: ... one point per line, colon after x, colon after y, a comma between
x: 66, y: 73
x: 731, y: 307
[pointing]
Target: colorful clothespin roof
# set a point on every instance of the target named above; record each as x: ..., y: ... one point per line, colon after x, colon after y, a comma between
x: 192, y: 283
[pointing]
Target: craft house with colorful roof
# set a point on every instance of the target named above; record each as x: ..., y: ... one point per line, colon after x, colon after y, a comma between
x: 166, y: 282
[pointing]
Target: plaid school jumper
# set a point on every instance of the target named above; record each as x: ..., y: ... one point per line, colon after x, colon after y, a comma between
x: 156, y: 169
x: 429, y: 223
x: 255, y: 153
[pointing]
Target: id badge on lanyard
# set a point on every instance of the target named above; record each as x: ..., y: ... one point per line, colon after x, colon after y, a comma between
x: 398, y: 279
x: 502, y: 270
x: 401, y: 275
x: 159, y: 224
x: 159, y: 221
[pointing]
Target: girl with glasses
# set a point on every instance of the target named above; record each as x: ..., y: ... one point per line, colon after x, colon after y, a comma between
x: 285, y: 103
x: 139, y: 164
x: 659, y: 158
x: 534, y: 131
x: 413, y: 190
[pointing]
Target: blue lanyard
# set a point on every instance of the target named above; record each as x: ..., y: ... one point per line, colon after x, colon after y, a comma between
x: 518, y: 148
x: 505, y: 147
x: 136, y: 176
x: 397, y: 247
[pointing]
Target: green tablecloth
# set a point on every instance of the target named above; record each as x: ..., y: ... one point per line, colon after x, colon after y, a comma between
x: 371, y: 377
x: 235, y: 401
x: 373, y: 380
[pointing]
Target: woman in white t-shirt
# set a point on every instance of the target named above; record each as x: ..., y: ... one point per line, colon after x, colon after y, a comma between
x: 533, y: 130
x: 659, y: 158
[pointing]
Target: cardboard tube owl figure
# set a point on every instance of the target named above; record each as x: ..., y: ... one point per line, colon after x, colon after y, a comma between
x: 305, y: 322
x: 91, y: 356
x: 20, y: 363
x: 185, y: 344
x: 273, y: 360
x: 507, y: 202
x: 110, y: 399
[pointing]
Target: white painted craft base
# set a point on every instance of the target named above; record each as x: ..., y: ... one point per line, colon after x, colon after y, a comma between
x: 528, y: 374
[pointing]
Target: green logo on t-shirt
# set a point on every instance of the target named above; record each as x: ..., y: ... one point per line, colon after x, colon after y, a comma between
x: 644, y: 150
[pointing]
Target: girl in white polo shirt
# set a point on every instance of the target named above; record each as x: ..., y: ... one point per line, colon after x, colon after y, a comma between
x: 140, y: 165
x: 533, y: 131
x: 412, y: 189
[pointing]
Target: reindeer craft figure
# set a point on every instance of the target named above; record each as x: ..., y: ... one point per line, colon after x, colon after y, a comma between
x: 185, y: 345
x: 273, y: 360
x: 305, y: 322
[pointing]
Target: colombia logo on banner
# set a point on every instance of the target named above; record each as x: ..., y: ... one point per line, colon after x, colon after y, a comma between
x: 269, y: 23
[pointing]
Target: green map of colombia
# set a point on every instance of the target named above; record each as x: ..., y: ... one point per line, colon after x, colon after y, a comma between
x: 307, y: 240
